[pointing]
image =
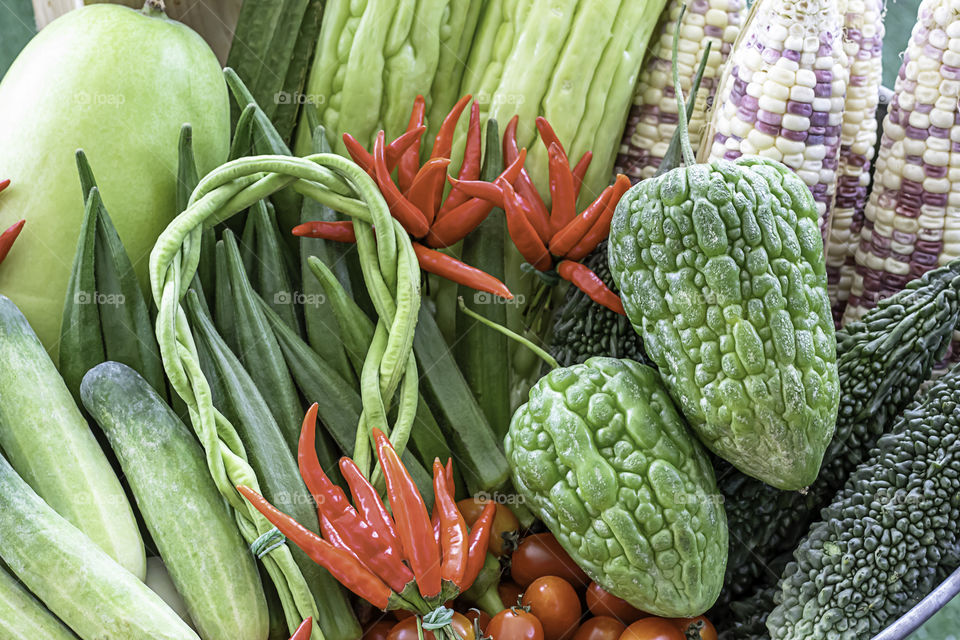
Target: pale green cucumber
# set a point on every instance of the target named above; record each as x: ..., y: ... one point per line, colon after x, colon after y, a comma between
x: 191, y: 525
x: 75, y: 578
x: 22, y: 617
x: 48, y: 442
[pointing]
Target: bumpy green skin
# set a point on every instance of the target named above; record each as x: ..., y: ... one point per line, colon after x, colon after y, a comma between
x: 721, y: 270
x: 602, y: 457
x: 883, y: 361
x: 883, y: 539
x: 584, y: 329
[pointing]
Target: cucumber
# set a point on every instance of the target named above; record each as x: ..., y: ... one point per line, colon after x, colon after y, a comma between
x: 49, y: 443
x: 22, y: 617
x: 167, y: 472
x: 75, y: 578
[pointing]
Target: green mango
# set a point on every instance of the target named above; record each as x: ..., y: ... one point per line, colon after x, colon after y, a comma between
x: 119, y: 84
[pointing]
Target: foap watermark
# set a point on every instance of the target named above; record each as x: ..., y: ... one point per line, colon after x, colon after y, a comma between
x: 285, y: 97
x: 99, y: 298
x: 507, y: 499
x: 482, y: 297
x: 500, y: 98
x: 300, y: 298
x: 86, y: 98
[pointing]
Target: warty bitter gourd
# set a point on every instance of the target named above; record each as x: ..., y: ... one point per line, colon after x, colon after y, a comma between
x: 883, y: 361
x: 583, y: 329
x: 601, y: 456
x: 721, y: 270
x: 883, y: 539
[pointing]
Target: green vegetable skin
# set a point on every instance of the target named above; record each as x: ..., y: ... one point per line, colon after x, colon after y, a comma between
x: 48, y: 441
x: 575, y: 63
x: 78, y: 85
x: 374, y: 58
x: 887, y: 537
x: 602, y: 457
x: 214, y: 572
x: 22, y: 617
x: 82, y: 585
x: 721, y: 271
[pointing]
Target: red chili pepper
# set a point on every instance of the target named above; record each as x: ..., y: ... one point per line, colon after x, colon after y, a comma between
x: 4, y: 184
x: 368, y: 502
x: 410, y: 161
x: 453, y: 528
x: 338, y: 231
x: 547, y: 133
x: 580, y: 170
x: 8, y: 237
x: 591, y: 284
x: 331, y: 535
x: 443, y: 144
x: 601, y: 228
x: 562, y: 191
x: 470, y: 167
x: 358, y: 535
x: 423, y: 191
x: 396, y: 149
x: 488, y: 190
x: 478, y: 545
x: 304, y: 630
x: 441, y: 264
x: 413, y: 522
x: 452, y: 228
x: 409, y: 216
x: 521, y: 231
x: 535, y: 209
x: 451, y: 486
x: 359, y: 155
x: 565, y: 239
x: 348, y: 571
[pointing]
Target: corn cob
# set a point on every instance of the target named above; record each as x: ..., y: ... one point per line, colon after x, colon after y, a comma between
x: 863, y: 44
x: 653, y: 117
x: 781, y: 94
x: 912, y: 221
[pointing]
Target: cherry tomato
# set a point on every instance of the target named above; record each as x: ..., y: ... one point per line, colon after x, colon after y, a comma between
x: 707, y: 630
x: 604, y: 603
x: 556, y: 604
x: 541, y: 555
x: 600, y: 628
x: 510, y: 593
x: 407, y: 629
x: 379, y: 630
x: 503, y: 532
x: 652, y: 629
x: 515, y: 624
x: 482, y: 618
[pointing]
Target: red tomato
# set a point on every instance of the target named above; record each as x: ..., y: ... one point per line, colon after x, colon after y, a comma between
x: 600, y: 628
x: 707, y: 630
x: 379, y: 630
x: 604, y: 603
x: 482, y: 618
x: 652, y: 629
x: 556, y: 604
x: 510, y: 593
x: 515, y: 624
x: 407, y: 629
x: 503, y: 532
x: 541, y: 555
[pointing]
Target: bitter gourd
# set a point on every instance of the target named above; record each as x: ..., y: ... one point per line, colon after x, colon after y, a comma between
x: 721, y: 270
x: 883, y: 539
x: 601, y: 455
x: 883, y: 360
x: 583, y: 329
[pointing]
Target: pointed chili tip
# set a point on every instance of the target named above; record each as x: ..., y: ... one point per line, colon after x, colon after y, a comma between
x: 301, y: 230
x: 4, y: 184
x: 15, y: 229
x: 246, y: 491
x: 381, y: 438
x: 304, y: 630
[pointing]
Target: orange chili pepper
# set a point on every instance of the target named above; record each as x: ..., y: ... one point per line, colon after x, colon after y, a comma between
x: 591, y: 284
x: 413, y: 522
x: 408, y: 215
x: 548, y: 134
x: 445, y: 266
x: 562, y: 190
x: 452, y: 228
x: 453, y: 529
x: 601, y: 228
x: 451, y: 485
x: 348, y: 571
x: 304, y: 630
x: 534, y: 208
x: 488, y: 190
x: 470, y: 167
x: 368, y: 502
x: 478, y: 545
x: 423, y: 192
x: 8, y: 237
x: 565, y: 239
x: 338, y: 231
x: 521, y: 230
x: 443, y: 144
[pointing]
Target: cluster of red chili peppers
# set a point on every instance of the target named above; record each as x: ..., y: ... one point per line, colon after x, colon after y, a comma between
x: 416, y: 199
x: 406, y: 560
x: 559, y: 238
x: 8, y: 237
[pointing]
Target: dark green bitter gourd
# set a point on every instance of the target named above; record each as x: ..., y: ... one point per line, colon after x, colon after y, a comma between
x: 600, y: 454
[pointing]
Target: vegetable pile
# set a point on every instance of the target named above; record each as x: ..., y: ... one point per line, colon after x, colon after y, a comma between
x: 425, y: 321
